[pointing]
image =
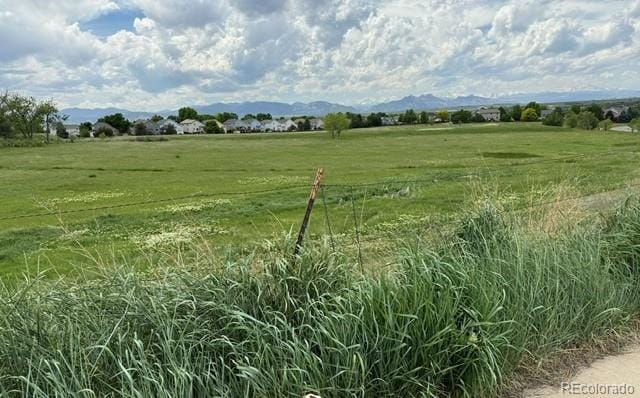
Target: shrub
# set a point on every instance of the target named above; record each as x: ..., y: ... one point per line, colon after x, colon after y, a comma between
x: 622, y: 239
x: 605, y: 125
x: 478, y: 118
x: 103, y: 132
x: 571, y: 120
x: 169, y: 129
x: 20, y: 143
x: 586, y: 120
x: 85, y: 132
x: 555, y: 118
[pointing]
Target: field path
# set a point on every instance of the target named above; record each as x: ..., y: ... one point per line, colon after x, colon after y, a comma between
x: 609, y: 372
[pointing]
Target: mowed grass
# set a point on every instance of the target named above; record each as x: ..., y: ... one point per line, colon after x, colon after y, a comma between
x: 516, y: 159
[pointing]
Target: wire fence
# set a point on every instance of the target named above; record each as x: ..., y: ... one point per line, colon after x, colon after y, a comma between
x: 341, y: 214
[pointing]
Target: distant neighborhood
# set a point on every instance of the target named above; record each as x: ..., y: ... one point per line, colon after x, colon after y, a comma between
x: 188, y: 121
x: 24, y: 117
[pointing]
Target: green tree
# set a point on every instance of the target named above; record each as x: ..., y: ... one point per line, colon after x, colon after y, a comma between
x: 505, y: 116
x: 5, y: 123
x: 529, y: 115
x: 186, y: 113
x: 374, y: 120
x: 85, y: 130
x: 156, y: 118
x: 24, y: 115
x: 61, y: 131
x: 305, y: 125
x: 212, y: 127
x: 168, y: 129
x: 424, y: 117
x: 117, y: 121
x: 555, y: 118
x: 224, y: 116
x: 596, y: 110
x: 516, y: 112
x: 50, y: 116
x: 535, y: 106
x: 140, y: 129
x: 575, y: 108
x: 443, y: 115
x: 571, y: 120
x: 248, y: 116
x: 461, y: 116
x: 356, y: 120
x: 336, y: 123
x: 586, y: 121
x: 264, y: 116
x: 410, y: 117
x: 478, y: 118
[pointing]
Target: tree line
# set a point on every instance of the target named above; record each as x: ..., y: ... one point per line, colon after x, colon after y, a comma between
x: 590, y: 117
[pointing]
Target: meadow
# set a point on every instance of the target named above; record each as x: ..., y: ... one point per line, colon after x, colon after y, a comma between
x: 381, y: 180
x: 165, y: 269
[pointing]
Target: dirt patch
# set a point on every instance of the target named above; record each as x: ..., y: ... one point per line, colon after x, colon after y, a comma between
x: 623, y: 129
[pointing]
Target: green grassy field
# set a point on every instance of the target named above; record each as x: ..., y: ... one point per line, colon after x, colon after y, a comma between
x: 521, y: 161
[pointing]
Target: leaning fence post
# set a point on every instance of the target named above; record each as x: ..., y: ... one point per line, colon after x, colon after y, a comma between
x: 307, y: 214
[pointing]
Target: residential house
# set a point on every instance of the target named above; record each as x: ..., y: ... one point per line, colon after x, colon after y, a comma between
x: 316, y: 124
x: 163, y: 124
x: 103, y: 125
x: 152, y: 127
x: 233, y: 126
x: 288, y: 125
x: 270, y: 125
x: 490, y: 115
x: 614, y: 112
x: 389, y: 121
x: 253, y: 125
x: 72, y: 129
x: 190, y: 126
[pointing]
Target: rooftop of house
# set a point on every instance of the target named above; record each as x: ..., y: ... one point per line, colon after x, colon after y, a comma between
x: 102, y: 125
x: 190, y: 121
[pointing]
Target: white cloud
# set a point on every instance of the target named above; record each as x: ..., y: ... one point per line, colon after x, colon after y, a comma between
x: 340, y: 50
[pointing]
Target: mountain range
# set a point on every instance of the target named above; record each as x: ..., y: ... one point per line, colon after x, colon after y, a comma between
x: 321, y: 108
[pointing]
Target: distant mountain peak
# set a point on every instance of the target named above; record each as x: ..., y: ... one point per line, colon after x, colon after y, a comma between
x: 320, y: 108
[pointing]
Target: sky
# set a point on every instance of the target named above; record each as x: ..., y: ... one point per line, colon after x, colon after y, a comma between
x: 163, y: 54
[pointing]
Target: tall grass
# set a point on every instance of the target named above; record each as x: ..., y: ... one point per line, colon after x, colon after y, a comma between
x: 452, y: 318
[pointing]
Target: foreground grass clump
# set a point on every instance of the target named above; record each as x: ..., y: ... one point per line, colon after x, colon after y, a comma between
x: 452, y: 318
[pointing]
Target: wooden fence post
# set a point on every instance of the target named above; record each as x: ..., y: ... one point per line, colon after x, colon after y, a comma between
x: 307, y: 214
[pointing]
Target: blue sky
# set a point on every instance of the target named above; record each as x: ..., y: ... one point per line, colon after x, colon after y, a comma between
x: 162, y: 54
x: 110, y: 23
